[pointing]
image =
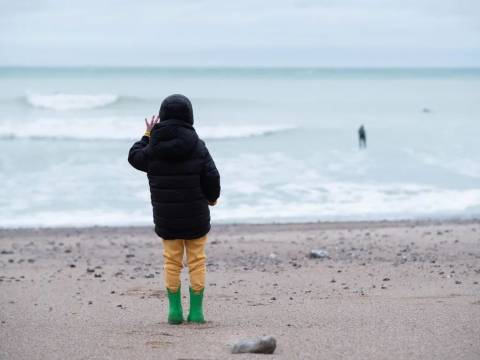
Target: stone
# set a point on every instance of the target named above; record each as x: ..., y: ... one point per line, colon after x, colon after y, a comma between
x: 318, y: 254
x: 262, y: 345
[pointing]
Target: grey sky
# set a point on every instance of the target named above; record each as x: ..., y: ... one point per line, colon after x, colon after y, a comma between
x: 216, y: 32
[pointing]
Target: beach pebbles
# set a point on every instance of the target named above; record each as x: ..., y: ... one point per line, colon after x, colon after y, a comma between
x: 262, y: 345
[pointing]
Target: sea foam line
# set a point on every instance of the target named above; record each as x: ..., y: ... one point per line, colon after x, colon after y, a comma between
x: 64, y: 102
x: 113, y: 128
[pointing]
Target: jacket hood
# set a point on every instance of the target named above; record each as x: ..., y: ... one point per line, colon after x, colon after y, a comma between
x: 172, y: 139
x: 176, y: 107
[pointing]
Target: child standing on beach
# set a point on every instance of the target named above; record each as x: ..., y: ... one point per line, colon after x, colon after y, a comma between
x: 184, y: 181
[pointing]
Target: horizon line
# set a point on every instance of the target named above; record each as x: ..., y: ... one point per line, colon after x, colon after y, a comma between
x: 259, y: 67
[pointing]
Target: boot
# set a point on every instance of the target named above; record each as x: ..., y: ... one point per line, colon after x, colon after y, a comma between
x: 196, y: 307
x: 175, y: 311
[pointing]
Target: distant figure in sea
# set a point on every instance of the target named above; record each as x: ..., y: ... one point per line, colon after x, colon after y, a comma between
x: 184, y: 182
x: 362, y: 137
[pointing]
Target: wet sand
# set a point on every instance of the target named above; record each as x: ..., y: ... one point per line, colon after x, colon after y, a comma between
x: 389, y: 290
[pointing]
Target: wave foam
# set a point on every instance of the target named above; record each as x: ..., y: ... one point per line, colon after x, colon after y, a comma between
x: 460, y: 165
x: 331, y: 202
x: 63, y: 102
x: 240, y: 131
x: 77, y: 218
x: 262, y: 192
x: 113, y: 128
x: 349, y: 201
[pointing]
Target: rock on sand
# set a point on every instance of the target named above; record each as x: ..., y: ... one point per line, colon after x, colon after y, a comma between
x: 263, y: 345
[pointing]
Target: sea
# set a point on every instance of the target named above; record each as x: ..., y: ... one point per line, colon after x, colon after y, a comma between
x: 285, y: 141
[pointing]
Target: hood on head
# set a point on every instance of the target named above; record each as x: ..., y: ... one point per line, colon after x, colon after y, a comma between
x: 176, y: 107
x: 172, y: 139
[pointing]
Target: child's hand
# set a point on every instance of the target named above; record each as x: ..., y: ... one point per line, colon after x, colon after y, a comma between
x: 150, y: 124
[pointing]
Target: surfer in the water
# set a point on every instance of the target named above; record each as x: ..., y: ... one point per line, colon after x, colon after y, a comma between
x: 362, y: 137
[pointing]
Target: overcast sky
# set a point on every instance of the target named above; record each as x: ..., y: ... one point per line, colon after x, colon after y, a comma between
x: 241, y: 33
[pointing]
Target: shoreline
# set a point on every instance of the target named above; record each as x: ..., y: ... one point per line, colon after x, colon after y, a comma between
x: 261, y: 226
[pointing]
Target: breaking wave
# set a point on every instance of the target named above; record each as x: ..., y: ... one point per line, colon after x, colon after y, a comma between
x: 64, y: 102
x: 114, y: 128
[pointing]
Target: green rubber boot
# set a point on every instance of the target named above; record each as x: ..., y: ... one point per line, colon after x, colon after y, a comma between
x: 195, y: 314
x: 175, y: 311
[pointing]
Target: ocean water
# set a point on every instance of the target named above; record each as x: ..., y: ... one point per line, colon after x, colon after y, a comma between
x: 284, y: 140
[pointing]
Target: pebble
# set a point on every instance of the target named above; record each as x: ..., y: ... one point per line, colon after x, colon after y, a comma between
x: 318, y: 254
x: 263, y: 345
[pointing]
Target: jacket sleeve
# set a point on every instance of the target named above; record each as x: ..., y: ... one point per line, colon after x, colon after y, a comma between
x: 210, y: 179
x: 137, y: 156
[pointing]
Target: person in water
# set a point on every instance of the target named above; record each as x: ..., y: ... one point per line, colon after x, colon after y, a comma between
x: 184, y: 182
x: 362, y: 137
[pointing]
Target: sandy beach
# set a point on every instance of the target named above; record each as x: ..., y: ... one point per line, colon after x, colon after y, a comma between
x: 388, y: 290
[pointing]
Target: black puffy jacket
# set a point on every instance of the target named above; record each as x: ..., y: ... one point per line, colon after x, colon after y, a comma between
x: 182, y: 175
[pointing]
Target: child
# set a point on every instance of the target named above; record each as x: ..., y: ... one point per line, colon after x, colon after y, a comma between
x: 184, y: 181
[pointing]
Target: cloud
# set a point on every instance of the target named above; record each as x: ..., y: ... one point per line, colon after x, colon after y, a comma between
x: 214, y: 32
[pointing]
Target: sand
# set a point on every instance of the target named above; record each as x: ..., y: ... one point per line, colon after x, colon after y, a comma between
x: 389, y: 290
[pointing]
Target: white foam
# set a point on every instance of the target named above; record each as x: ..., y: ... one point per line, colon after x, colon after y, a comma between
x: 114, y: 128
x: 350, y: 201
x: 63, y: 102
x: 330, y: 201
x: 459, y: 165
x: 81, y: 218
x: 240, y: 131
x: 260, y: 192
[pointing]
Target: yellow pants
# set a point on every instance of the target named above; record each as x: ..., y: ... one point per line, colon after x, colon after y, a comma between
x: 173, y: 251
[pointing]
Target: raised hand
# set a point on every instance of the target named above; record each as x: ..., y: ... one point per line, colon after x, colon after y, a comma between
x: 150, y: 124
